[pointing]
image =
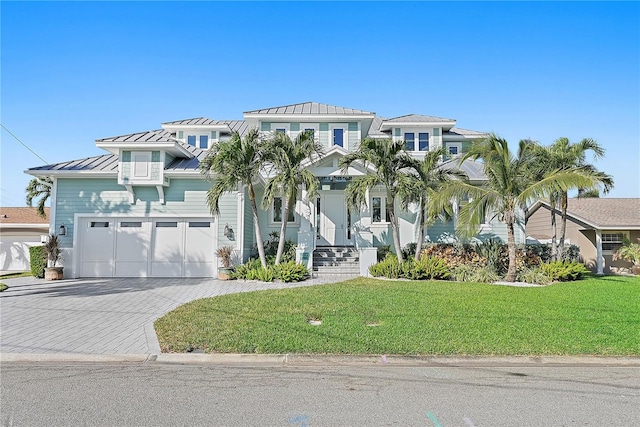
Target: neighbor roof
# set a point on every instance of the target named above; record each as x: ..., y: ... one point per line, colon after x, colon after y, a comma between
x: 309, y: 108
x: 464, y: 132
x: 473, y: 169
x: 601, y: 213
x: 22, y: 215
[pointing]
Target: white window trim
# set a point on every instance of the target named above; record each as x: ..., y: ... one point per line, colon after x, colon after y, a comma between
x: 345, y: 134
x: 383, y: 209
x: 625, y: 235
x: 285, y: 126
x: 273, y: 222
x: 314, y: 126
x: 458, y: 145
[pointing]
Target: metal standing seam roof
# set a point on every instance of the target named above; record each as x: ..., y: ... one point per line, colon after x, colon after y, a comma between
x: 194, y: 121
x: 104, y: 163
x: 464, y: 132
x: 473, y: 169
x: 374, y: 129
x: 418, y: 118
x: 158, y: 135
x: 310, y: 108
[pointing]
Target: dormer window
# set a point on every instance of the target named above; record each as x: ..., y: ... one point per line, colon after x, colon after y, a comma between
x: 141, y: 161
x: 191, y: 140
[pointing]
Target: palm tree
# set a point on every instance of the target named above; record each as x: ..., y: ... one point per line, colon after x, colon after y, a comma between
x: 393, y: 170
x: 429, y: 180
x: 233, y: 162
x: 286, y: 157
x: 563, y: 155
x: 511, y: 184
x: 39, y: 188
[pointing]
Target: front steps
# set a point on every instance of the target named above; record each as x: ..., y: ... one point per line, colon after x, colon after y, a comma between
x: 343, y: 260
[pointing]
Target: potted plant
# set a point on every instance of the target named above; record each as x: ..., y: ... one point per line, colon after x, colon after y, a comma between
x: 52, y: 252
x: 225, y: 253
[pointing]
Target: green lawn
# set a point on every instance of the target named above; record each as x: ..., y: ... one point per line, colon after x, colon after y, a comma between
x: 598, y: 316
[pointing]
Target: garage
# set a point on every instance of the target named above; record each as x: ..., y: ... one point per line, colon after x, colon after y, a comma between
x: 147, y: 247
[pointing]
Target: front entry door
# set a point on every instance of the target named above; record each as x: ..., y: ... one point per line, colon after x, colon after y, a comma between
x: 333, y: 220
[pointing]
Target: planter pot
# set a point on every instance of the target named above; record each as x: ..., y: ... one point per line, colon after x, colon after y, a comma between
x: 224, y: 273
x: 53, y: 273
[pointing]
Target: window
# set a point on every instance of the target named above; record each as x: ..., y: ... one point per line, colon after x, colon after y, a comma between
x: 454, y: 149
x: 312, y: 132
x: 338, y: 137
x: 166, y: 224
x: 410, y: 141
x: 281, y: 130
x: 131, y: 224
x: 204, y: 141
x: 277, y: 210
x: 611, y: 241
x: 191, y: 139
x: 377, y: 214
x: 423, y: 141
x: 199, y: 224
x: 99, y: 224
x: 181, y: 134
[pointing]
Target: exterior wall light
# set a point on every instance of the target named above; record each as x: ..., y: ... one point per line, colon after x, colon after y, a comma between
x: 62, y: 231
x: 228, y: 232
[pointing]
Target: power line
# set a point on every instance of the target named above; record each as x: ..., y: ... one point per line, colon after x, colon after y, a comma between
x: 25, y: 145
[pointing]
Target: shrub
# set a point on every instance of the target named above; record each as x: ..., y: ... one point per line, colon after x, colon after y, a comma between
x: 409, y: 251
x: 628, y: 252
x: 38, y: 261
x: 291, y: 272
x: 564, y: 271
x: 485, y: 274
x: 264, y: 274
x: 463, y: 273
x: 271, y: 249
x: 495, y: 253
x: 388, y: 267
x: 433, y: 268
x: 383, y: 251
x: 534, y: 275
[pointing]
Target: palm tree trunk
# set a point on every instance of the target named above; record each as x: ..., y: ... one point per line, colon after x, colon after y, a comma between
x: 563, y: 226
x: 394, y: 227
x: 511, y: 245
x: 420, y: 230
x: 554, y: 230
x: 283, y: 229
x: 256, y: 227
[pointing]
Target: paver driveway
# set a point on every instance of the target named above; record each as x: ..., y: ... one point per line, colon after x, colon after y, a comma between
x: 102, y: 316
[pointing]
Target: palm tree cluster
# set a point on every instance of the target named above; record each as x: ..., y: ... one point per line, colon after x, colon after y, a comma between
x: 239, y: 162
x: 514, y: 180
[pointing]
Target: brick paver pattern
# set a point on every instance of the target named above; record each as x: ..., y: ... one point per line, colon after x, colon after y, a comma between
x: 104, y: 316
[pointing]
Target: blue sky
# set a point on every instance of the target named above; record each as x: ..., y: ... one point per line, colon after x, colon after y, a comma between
x: 74, y: 72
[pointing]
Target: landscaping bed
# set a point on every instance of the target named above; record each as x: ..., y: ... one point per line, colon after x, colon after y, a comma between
x: 595, y: 316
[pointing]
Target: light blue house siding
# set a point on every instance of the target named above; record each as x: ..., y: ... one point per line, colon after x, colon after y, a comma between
x: 185, y: 197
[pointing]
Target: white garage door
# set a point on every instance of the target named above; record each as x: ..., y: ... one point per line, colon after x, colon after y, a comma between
x: 142, y: 247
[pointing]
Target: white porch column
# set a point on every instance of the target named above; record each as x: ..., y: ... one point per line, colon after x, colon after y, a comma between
x: 306, y: 233
x: 599, y: 266
x: 454, y: 204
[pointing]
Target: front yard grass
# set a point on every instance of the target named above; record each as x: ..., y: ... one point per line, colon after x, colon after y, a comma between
x: 596, y: 316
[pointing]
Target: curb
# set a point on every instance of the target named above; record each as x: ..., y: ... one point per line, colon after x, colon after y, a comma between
x: 326, y: 360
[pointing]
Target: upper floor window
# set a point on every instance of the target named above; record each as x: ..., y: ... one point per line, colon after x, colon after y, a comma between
x: 338, y: 137
x: 312, y: 132
x: 141, y: 164
x: 281, y: 130
x: 204, y: 141
x: 453, y: 149
x: 423, y: 141
x: 410, y: 141
x: 191, y: 139
x: 377, y: 209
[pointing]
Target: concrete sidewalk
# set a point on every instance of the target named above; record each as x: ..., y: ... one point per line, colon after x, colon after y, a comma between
x: 103, y: 316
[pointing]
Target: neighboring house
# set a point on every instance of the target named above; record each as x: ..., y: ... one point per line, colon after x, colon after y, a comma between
x: 141, y: 209
x: 596, y: 225
x: 20, y: 228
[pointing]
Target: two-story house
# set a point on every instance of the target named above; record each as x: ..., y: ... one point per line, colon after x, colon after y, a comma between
x: 141, y: 209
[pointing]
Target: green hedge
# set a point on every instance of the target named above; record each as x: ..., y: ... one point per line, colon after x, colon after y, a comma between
x: 38, y: 261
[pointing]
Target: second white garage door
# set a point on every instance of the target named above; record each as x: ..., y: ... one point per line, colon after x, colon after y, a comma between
x: 142, y: 247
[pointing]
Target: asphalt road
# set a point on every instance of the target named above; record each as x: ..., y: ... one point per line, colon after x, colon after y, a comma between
x: 157, y: 394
